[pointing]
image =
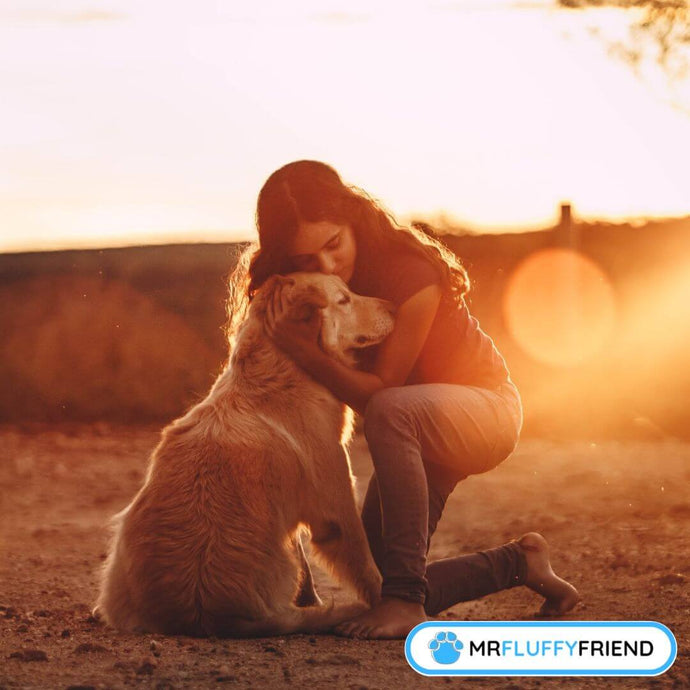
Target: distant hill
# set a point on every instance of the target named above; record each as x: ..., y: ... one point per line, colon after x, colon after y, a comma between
x: 135, y: 334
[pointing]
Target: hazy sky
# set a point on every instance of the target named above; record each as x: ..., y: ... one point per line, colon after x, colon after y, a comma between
x: 141, y: 121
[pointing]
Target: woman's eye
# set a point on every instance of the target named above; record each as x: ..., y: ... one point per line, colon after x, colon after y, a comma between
x: 334, y: 243
x: 345, y: 299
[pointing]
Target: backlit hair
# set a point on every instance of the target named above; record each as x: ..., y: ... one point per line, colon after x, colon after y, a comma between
x: 310, y: 191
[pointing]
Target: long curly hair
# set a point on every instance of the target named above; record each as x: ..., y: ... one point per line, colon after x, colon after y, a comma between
x: 311, y: 191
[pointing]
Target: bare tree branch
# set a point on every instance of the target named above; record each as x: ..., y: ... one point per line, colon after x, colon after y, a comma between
x: 663, y: 24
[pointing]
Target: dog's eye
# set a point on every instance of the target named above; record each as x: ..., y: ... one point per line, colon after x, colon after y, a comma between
x: 345, y: 299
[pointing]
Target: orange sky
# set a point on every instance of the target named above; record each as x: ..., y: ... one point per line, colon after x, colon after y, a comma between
x: 144, y: 122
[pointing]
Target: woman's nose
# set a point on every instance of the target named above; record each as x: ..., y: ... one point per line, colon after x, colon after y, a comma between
x: 326, y: 264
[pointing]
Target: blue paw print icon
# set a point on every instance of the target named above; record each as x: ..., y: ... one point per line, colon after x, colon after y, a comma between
x: 445, y: 648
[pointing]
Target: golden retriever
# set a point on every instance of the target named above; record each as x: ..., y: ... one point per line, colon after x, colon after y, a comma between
x: 210, y: 544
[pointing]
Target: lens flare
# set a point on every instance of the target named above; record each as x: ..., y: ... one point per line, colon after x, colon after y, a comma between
x: 560, y: 307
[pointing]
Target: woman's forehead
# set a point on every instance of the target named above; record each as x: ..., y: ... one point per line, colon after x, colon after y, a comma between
x: 312, y: 237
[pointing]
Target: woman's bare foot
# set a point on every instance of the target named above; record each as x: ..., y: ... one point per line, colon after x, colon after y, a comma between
x: 560, y: 596
x: 390, y: 619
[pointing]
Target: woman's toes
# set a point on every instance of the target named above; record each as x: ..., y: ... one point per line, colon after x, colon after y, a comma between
x: 351, y: 628
x: 358, y: 632
x: 549, y: 611
x: 343, y: 629
x: 557, y: 607
x: 560, y: 596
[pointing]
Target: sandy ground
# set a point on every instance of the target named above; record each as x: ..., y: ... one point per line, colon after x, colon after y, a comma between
x: 616, y: 514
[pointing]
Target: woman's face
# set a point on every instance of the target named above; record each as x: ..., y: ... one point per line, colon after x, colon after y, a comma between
x: 325, y: 247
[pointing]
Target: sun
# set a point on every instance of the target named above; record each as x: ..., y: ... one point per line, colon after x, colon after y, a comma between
x: 560, y: 307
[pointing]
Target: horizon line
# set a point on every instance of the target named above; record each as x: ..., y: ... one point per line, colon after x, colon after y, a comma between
x: 442, y: 227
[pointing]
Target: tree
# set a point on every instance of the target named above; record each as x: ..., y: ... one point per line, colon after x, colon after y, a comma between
x: 662, y: 26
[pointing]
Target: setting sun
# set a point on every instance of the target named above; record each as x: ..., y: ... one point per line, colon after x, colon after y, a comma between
x: 560, y: 307
x: 487, y: 114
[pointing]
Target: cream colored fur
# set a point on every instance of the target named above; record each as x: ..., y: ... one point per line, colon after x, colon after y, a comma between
x: 207, y: 546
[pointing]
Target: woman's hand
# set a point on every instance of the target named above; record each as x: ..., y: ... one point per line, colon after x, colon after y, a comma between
x: 295, y: 331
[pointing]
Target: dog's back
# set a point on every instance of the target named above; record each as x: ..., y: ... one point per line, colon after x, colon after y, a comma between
x: 205, y: 548
x: 204, y: 540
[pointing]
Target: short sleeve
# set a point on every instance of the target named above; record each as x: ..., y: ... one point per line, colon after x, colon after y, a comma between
x: 406, y: 275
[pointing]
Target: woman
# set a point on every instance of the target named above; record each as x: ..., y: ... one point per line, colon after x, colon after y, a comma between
x: 436, y: 396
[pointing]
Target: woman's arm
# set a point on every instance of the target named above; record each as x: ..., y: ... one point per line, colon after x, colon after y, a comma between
x: 396, y: 357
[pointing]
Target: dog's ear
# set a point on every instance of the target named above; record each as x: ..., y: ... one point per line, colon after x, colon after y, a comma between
x: 305, y: 301
x: 284, y: 280
x: 278, y: 281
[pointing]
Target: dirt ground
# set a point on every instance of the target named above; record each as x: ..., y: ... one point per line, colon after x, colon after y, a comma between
x: 616, y: 514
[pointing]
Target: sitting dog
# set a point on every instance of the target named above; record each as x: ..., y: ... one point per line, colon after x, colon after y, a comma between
x: 210, y: 544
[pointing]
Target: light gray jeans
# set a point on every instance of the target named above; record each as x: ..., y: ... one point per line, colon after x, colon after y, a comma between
x: 423, y: 439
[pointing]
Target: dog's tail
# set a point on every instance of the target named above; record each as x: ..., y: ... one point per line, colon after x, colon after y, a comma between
x: 310, y: 619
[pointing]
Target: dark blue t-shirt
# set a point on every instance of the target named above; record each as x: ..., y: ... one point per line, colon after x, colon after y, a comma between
x: 456, y: 349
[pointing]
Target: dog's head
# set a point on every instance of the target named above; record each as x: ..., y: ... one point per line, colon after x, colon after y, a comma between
x: 349, y: 322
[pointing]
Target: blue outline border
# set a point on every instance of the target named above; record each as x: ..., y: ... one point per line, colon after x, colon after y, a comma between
x: 541, y: 624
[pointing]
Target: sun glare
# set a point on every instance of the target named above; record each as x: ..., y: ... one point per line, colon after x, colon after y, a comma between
x: 434, y: 108
x: 560, y: 307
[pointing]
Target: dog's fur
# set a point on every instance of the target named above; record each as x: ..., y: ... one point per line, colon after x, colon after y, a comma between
x: 208, y: 545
